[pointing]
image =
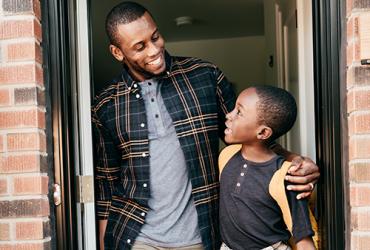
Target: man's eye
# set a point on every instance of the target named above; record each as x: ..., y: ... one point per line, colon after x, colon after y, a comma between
x: 140, y: 47
x: 238, y: 112
x: 155, y: 37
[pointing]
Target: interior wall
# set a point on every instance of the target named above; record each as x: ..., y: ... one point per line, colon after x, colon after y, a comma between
x: 241, y: 59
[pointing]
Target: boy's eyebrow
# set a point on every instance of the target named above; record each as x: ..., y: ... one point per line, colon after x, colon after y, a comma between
x: 240, y: 105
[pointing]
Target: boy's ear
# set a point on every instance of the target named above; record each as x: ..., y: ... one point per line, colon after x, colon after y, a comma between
x: 116, y: 52
x: 264, y: 132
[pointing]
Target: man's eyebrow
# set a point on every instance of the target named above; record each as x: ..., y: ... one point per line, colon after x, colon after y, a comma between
x: 141, y: 42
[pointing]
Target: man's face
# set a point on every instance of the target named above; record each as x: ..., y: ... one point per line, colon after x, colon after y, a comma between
x: 242, y: 125
x: 141, y: 47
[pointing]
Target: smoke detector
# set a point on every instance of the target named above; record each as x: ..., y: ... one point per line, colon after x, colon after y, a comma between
x: 183, y: 20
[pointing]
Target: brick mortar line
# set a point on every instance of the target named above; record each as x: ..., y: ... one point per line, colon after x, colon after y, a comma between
x: 23, y: 108
x: 360, y: 136
x: 22, y: 85
x: 354, y: 64
x: 20, y: 40
x: 25, y: 16
x: 361, y: 209
x: 21, y: 63
x: 359, y: 112
x: 24, y: 153
x: 25, y: 197
x: 34, y: 174
x: 27, y: 219
x: 17, y: 242
x: 360, y: 233
x: 357, y: 184
x: 360, y: 88
x: 360, y: 161
x: 22, y: 131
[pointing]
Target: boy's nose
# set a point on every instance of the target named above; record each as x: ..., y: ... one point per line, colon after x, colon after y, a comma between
x: 228, y: 116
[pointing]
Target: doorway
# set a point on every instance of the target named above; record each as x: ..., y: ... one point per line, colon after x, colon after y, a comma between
x: 260, y: 62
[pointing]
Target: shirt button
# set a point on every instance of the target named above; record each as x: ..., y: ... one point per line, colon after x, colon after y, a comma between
x: 142, y: 125
x: 129, y: 88
x: 128, y: 241
x: 238, y: 184
x: 167, y: 72
x: 149, y: 83
x: 242, y: 174
x: 152, y: 99
x: 137, y: 96
x: 156, y: 115
x: 135, y: 85
x: 143, y: 214
x: 245, y: 166
x: 145, y: 185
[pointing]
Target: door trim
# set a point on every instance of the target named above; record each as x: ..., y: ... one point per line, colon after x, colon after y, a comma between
x: 329, y: 70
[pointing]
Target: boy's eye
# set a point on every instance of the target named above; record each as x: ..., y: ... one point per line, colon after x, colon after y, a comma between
x: 238, y: 112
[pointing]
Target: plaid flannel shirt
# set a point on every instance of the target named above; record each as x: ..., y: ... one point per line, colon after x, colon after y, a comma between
x: 197, y: 97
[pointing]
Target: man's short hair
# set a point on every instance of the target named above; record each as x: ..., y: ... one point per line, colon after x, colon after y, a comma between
x: 277, y: 109
x: 123, y: 13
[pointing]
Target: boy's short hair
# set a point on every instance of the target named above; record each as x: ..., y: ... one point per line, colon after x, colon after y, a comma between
x: 123, y: 13
x: 277, y: 109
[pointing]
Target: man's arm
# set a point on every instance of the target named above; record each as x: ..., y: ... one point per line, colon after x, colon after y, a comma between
x: 106, y: 173
x: 304, y: 173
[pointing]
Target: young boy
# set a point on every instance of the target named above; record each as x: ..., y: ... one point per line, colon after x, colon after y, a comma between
x: 250, y: 218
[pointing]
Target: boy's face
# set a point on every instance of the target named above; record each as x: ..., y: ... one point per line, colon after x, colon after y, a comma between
x: 241, y: 124
x: 141, y: 47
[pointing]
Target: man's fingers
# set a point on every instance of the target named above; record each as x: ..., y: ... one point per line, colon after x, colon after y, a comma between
x: 300, y: 188
x: 303, y: 195
x: 303, y: 179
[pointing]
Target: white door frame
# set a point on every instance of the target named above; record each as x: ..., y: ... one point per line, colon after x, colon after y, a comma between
x: 84, y: 170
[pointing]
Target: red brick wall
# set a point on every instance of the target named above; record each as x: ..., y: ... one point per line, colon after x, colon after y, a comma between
x: 358, y: 96
x: 24, y: 205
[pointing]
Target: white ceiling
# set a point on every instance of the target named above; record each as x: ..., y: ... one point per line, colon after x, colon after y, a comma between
x: 213, y: 19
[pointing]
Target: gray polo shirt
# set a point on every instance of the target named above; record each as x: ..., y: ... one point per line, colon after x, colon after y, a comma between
x: 172, y: 219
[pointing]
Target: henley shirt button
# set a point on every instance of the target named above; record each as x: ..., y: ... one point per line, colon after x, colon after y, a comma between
x: 145, y: 185
x: 128, y: 241
x: 137, y: 96
x: 143, y: 214
x: 135, y: 85
x: 152, y: 99
x: 142, y: 125
x: 156, y: 115
x: 149, y: 83
x: 238, y: 184
x: 245, y: 166
x: 242, y: 174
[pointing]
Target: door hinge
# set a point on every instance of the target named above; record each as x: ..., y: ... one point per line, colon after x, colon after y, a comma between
x: 85, y: 187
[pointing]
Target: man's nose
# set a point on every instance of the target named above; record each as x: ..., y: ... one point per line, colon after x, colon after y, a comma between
x: 153, y: 49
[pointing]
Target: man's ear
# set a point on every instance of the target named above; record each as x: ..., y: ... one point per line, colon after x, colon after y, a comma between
x: 116, y: 52
x: 264, y: 132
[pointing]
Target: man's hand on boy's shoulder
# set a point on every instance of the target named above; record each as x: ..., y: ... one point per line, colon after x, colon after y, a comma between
x: 303, y: 173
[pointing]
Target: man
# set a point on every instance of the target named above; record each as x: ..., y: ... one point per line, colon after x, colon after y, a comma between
x: 156, y: 130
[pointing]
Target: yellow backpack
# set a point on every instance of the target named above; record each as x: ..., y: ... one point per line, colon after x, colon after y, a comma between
x: 277, y: 191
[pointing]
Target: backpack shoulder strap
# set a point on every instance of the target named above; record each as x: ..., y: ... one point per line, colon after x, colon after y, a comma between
x: 277, y: 191
x: 226, y: 154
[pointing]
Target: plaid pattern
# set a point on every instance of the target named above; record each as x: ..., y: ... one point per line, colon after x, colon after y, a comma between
x: 197, y: 97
